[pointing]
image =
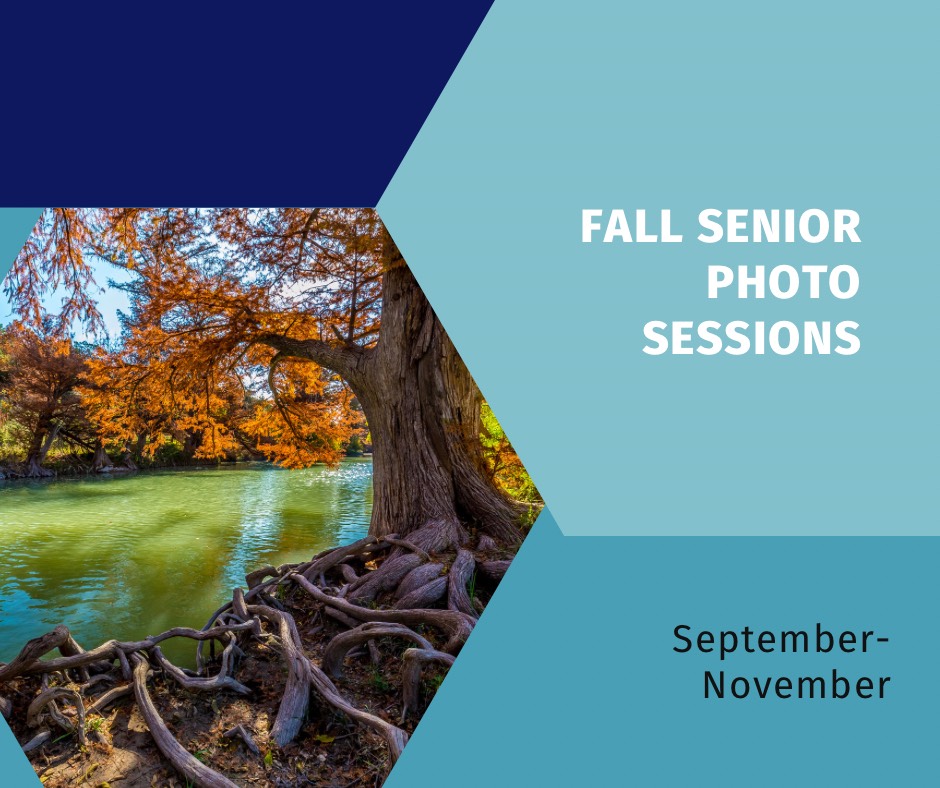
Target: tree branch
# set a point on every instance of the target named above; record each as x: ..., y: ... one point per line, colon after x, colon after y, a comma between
x: 343, y: 360
x: 272, y: 385
x: 311, y: 220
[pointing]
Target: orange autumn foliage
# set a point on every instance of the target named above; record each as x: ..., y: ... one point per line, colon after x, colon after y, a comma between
x: 209, y: 292
x: 40, y: 373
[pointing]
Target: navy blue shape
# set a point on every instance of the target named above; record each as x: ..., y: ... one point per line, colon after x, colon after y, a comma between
x: 206, y: 104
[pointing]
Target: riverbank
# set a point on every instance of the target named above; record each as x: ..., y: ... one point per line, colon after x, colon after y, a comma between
x: 315, y: 633
x: 76, y: 470
x: 20, y: 473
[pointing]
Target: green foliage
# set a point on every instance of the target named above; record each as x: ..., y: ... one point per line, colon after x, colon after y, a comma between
x: 502, y: 461
x: 354, y: 448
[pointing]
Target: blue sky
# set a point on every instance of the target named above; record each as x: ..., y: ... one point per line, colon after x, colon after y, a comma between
x: 110, y: 300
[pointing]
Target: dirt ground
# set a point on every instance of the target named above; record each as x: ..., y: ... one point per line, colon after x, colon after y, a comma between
x: 331, y: 750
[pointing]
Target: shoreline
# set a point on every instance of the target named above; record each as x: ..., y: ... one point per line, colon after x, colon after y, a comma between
x: 121, y: 472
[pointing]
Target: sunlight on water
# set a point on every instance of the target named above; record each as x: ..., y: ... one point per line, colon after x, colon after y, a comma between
x: 133, y: 555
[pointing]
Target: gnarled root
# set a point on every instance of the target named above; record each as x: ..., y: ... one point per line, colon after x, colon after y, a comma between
x: 33, y: 650
x: 387, y: 578
x: 38, y: 740
x: 221, y: 680
x: 415, y: 588
x: 494, y: 570
x: 333, y: 557
x: 417, y: 578
x: 109, y: 697
x: 185, y: 763
x: 487, y: 544
x: 296, y: 697
x: 343, y: 643
x: 458, y: 597
x: 413, y: 660
x: 110, y: 651
x: 304, y: 674
x: 425, y: 596
x: 456, y: 625
x: 44, y: 705
x: 394, y: 737
x: 241, y: 733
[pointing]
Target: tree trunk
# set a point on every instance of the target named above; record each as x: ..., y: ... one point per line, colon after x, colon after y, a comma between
x: 127, y: 458
x: 39, y: 447
x: 49, y: 440
x: 102, y: 462
x: 139, y: 448
x: 423, y: 410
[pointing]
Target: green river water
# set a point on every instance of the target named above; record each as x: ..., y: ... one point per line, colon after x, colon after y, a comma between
x: 132, y: 555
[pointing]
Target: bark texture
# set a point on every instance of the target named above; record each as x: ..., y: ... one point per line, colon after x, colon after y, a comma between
x: 423, y: 410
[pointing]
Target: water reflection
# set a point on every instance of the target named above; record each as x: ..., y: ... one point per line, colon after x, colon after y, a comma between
x: 130, y: 556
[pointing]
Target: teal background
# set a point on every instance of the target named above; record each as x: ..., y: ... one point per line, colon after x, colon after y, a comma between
x: 570, y: 678
x: 559, y: 107
x: 15, y: 226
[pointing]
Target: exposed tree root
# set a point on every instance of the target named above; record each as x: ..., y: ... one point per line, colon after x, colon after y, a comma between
x: 343, y: 643
x: 109, y: 697
x: 185, y: 763
x: 417, y: 578
x: 110, y: 651
x: 34, y: 470
x: 487, y: 544
x: 387, y: 578
x: 37, y: 741
x: 424, y: 596
x: 493, y: 569
x: 394, y: 737
x: 323, y: 563
x: 221, y: 680
x: 458, y: 597
x: 296, y: 697
x: 358, y: 600
x: 44, y: 705
x: 241, y: 733
x: 33, y: 650
x: 413, y: 660
x: 455, y: 624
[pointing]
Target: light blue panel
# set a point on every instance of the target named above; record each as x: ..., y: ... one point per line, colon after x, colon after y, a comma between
x: 15, y: 226
x: 560, y: 107
x: 570, y: 678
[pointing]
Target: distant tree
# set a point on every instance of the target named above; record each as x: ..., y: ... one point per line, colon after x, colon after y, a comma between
x: 39, y: 389
x: 354, y: 447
